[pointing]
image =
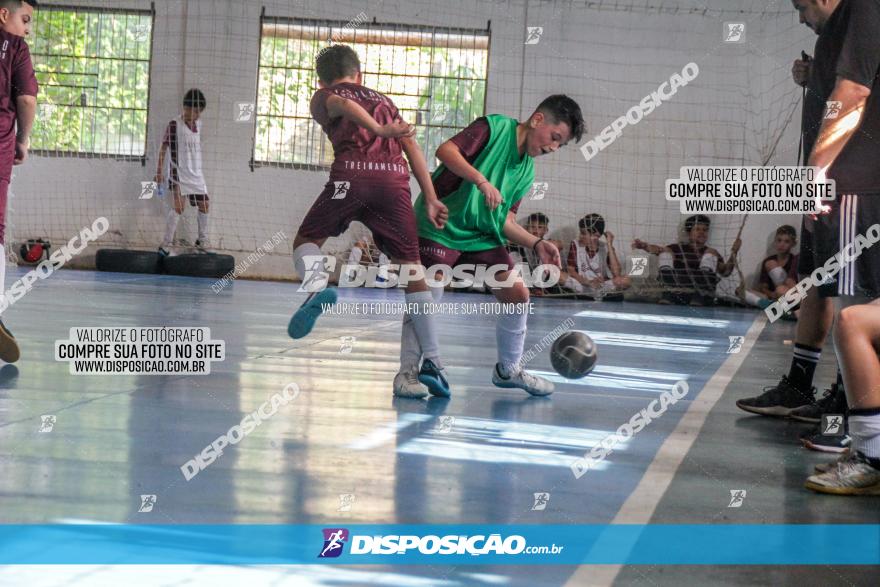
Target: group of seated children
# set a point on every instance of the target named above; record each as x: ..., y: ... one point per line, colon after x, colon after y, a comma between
x: 591, y: 266
x: 689, y: 271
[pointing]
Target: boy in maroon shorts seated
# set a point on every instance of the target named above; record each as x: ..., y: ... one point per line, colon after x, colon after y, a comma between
x: 18, y: 107
x: 692, y: 268
x: 369, y: 182
x: 779, y: 271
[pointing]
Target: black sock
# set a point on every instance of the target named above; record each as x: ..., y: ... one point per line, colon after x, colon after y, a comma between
x: 803, y: 365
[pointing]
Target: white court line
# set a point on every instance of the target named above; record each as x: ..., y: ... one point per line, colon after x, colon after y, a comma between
x: 642, y: 502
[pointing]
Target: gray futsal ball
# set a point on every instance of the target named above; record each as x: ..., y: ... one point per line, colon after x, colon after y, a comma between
x: 573, y: 355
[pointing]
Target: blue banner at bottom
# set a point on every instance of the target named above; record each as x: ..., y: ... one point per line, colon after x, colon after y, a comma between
x: 691, y: 544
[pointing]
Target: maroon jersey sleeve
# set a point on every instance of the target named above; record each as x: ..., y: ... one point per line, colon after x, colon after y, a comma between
x: 169, y: 132
x: 572, y: 255
x: 472, y: 139
x: 470, y: 142
x: 318, y: 106
x: 792, y: 268
x: 764, y: 276
x: 24, y: 81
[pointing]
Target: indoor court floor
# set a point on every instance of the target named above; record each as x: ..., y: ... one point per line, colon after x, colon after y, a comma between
x: 344, y: 451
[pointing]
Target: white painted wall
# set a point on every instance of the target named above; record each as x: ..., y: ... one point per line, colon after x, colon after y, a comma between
x: 606, y: 59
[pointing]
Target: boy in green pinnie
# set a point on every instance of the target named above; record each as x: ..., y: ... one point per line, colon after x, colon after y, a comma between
x: 486, y: 170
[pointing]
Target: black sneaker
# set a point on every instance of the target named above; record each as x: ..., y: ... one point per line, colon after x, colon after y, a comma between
x: 822, y: 443
x: 833, y: 401
x: 778, y: 400
x: 9, y: 351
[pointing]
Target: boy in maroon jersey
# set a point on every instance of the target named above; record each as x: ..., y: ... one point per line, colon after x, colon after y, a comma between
x: 18, y: 107
x: 369, y: 182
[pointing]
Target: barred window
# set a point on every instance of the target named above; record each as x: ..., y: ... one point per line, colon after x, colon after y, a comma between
x: 435, y: 76
x: 93, y: 67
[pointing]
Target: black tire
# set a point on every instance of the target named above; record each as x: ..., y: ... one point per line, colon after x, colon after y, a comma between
x: 199, y: 265
x: 125, y: 261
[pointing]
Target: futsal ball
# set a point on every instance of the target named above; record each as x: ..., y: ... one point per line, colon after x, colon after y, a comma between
x: 573, y: 355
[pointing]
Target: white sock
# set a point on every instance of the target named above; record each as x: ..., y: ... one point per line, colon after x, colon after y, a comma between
x: 299, y: 254
x: 752, y: 298
x: 423, y: 325
x: 572, y: 284
x: 510, y: 337
x: 171, y: 220
x: 777, y: 275
x: 410, y: 350
x: 865, y: 432
x: 203, y: 225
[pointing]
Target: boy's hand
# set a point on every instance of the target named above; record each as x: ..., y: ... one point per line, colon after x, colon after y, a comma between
x: 159, y: 179
x: 396, y: 130
x: 609, y: 238
x: 21, y: 153
x: 438, y: 213
x: 548, y: 253
x: 493, y: 196
x: 639, y: 244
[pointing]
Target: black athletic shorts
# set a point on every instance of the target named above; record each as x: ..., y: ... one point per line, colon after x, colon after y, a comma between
x: 851, y: 216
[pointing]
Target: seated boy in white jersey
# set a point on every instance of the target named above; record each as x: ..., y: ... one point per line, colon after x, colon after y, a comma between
x: 593, y: 266
x: 185, y: 178
x: 537, y: 224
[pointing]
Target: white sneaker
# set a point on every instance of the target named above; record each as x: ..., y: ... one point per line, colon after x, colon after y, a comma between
x: 524, y: 380
x: 825, y: 467
x: 852, y: 475
x: 406, y: 384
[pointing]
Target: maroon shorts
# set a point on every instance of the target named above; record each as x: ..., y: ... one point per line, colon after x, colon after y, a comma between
x: 195, y: 198
x: 4, y: 192
x: 385, y: 209
x: 433, y: 253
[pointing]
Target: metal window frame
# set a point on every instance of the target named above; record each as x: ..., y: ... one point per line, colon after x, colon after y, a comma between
x: 114, y: 10
x: 338, y: 24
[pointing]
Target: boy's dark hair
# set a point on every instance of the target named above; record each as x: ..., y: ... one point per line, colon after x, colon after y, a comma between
x: 194, y: 98
x: 592, y: 223
x: 788, y: 230
x: 692, y: 221
x: 336, y: 62
x: 13, y: 5
x: 538, y: 217
x: 561, y: 108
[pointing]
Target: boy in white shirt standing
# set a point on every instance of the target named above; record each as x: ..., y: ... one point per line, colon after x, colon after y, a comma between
x: 185, y: 179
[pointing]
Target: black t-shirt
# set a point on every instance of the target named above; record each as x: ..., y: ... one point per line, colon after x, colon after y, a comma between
x: 849, y: 47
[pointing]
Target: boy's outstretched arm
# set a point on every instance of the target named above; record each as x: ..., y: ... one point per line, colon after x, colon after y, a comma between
x: 438, y: 214
x: 450, y: 155
x: 338, y: 106
x: 547, y: 251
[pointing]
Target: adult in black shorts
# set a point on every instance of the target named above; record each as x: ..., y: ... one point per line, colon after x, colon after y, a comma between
x: 841, y: 136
